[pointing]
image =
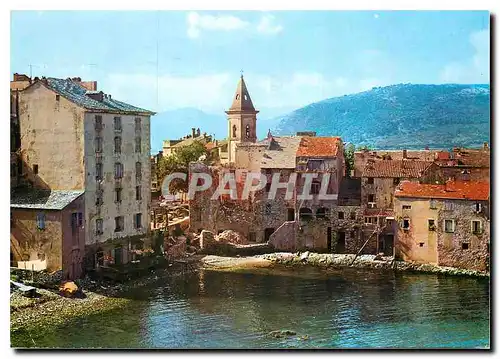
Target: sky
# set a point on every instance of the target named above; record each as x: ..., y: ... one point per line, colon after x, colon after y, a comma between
x: 165, y: 60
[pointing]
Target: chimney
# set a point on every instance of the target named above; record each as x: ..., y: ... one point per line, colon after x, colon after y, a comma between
x: 95, y: 95
x: 197, y: 132
x: 404, y: 154
x: 427, y: 148
x: 89, y: 85
x: 21, y: 77
x: 485, y: 146
x: 193, y: 132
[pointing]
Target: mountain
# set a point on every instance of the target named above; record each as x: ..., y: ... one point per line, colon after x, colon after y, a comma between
x: 175, y: 124
x: 400, y: 116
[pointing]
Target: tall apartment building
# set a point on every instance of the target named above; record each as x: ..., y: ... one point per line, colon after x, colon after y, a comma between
x: 74, y: 137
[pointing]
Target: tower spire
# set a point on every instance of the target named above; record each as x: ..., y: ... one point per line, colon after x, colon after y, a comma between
x: 241, y: 100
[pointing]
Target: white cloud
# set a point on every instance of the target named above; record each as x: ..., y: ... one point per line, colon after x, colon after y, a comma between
x: 213, y: 92
x: 197, y: 22
x: 267, y: 26
x: 475, y: 69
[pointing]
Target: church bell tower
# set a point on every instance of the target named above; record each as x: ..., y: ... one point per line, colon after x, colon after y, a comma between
x: 242, y: 120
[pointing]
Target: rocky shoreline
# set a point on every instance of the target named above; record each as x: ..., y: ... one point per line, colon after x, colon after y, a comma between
x: 328, y: 260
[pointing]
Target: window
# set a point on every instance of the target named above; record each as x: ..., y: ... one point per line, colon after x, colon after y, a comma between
x: 371, y: 198
x: 314, y: 165
x: 369, y: 180
x: 290, y: 214
x: 465, y: 246
x: 432, y: 204
x: 137, y: 145
x: 138, y: 220
x: 76, y: 221
x: 268, y: 187
x: 353, y: 234
x: 341, y: 215
x: 406, y: 206
x: 237, y: 96
x: 138, y: 196
x: 315, y: 187
x: 395, y: 181
x: 138, y: 171
x: 98, y: 171
x: 406, y: 224
x: 477, y: 207
x: 449, y: 225
x: 118, y: 170
x: 247, y: 131
x: 118, y: 144
x: 421, y: 244
x: 58, y: 97
x: 119, y: 224
x: 138, y: 124
x: 268, y: 208
x: 431, y: 225
x: 40, y: 220
x: 234, y: 130
x: 35, y: 169
x: 448, y: 205
x: 98, y: 123
x: 80, y: 219
x: 252, y: 237
x: 98, y: 144
x: 118, y: 194
x: 352, y: 215
x: 305, y: 213
x: 98, y: 198
x: 371, y: 220
x: 477, y: 227
x: 118, y: 124
x: 98, y: 226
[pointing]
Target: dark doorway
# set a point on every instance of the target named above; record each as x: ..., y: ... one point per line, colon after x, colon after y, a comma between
x: 267, y: 233
x: 118, y: 255
x: 290, y: 216
x: 329, y: 239
x: 340, y: 242
x: 388, y: 244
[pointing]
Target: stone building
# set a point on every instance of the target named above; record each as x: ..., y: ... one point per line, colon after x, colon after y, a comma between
x: 74, y: 137
x: 47, y: 230
x: 287, y: 223
x: 445, y: 224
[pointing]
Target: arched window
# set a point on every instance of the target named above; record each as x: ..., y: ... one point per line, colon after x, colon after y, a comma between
x: 322, y: 212
x: 234, y: 130
x: 238, y: 96
x: 247, y: 131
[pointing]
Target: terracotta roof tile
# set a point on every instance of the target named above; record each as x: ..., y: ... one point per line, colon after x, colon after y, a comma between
x: 472, y: 190
x: 319, y: 146
x: 395, y: 168
x: 472, y: 157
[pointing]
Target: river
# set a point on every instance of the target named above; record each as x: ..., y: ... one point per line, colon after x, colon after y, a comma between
x: 339, y: 309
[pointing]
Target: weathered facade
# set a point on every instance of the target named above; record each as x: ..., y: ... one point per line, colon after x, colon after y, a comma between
x: 47, y: 231
x: 77, y: 138
x: 448, y: 224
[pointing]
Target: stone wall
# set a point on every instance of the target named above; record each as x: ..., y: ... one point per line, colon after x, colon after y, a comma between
x: 450, y: 245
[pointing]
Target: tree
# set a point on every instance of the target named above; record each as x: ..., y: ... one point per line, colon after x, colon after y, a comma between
x: 349, y: 159
x: 179, y: 162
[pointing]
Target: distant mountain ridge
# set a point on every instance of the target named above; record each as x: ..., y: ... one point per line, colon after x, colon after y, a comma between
x: 400, y: 116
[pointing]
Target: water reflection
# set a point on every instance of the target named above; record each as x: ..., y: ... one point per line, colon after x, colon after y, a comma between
x: 339, y: 309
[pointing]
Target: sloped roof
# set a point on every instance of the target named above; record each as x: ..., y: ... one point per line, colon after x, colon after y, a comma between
x: 43, y: 199
x: 471, y: 190
x: 396, y: 168
x: 472, y: 157
x: 280, y: 152
x: 241, y: 100
x: 190, y: 141
x: 76, y: 93
x: 319, y: 146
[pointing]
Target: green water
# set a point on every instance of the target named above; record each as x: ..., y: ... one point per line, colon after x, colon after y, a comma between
x: 343, y: 309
